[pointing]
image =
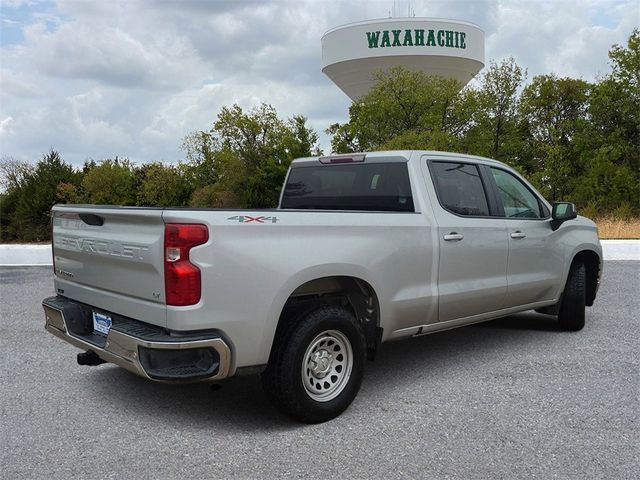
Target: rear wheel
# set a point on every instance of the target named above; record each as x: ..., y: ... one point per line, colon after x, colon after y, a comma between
x: 572, y: 309
x: 316, y: 365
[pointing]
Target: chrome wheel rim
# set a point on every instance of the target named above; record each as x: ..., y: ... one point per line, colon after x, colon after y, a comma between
x: 327, y: 365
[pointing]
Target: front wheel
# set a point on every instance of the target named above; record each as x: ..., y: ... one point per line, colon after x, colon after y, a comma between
x: 572, y: 309
x: 316, y: 365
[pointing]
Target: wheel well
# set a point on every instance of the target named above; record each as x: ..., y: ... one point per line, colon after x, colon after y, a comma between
x: 352, y: 293
x: 591, y: 262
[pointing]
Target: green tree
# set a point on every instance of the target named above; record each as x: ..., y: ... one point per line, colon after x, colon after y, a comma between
x: 625, y: 62
x: 553, y: 112
x: 612, y: 140
x: 299, y: 139
x: 28, y: 212
x: 403, y: 101
x: 252, y: 136
x: 495, y: 133
x: 200, y: 167
x: 13, y: 173
x: 606, y: 186
x: 242, y: 160
x: 344, y: 138
x: 110, y: 182
x: 161, y: 186
x: 8, y: 200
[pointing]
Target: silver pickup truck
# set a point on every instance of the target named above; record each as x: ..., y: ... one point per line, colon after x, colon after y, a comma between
x: 363, y: 249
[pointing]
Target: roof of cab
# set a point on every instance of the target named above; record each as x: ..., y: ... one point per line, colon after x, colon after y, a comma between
x: 396, y: 156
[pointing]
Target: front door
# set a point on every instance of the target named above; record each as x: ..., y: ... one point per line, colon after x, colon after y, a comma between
x: 536, y: 263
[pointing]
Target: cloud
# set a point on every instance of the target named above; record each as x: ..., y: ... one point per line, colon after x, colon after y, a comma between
x: 17, y: 3
x: 11, y: 22
x: 584, y: 53
x: 17, y: 85
x: 177, y: 117
x: 79, y: 126
x: 559, y: 37
x: 111, y: 55
x: 5, y: 126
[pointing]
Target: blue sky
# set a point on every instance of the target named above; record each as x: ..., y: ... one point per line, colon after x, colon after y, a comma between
x: 95, y: 79
x: 15, y: 16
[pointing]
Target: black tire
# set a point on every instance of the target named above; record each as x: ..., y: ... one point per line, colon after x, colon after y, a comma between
x: 572, y: 308
x: 297, y: 392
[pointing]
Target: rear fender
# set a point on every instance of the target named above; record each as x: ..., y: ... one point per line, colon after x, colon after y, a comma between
x: 312, y: 273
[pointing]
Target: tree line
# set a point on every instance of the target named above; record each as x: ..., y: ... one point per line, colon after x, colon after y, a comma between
x: 575, y: 140
x: 240, y: 162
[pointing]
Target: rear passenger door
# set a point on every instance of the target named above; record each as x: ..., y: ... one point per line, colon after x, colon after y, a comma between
x: 472, y: 272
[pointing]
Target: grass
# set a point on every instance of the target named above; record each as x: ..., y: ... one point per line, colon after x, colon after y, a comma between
x: 616, y: 228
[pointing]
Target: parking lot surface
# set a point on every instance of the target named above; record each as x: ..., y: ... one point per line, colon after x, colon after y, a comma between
x: 511, y: 398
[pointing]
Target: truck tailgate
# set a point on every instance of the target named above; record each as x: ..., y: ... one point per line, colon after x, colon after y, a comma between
x: 111, y: 258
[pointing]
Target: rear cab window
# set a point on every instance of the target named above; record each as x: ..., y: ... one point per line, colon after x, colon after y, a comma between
x: 353, y: 186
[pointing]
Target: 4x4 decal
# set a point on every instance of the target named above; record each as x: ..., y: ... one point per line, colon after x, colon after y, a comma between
x: 249, y: 219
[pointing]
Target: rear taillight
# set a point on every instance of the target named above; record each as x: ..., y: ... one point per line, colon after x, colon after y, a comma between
x: 182, y: 281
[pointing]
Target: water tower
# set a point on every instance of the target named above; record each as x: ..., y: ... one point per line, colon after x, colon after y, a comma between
x: 352, y: 53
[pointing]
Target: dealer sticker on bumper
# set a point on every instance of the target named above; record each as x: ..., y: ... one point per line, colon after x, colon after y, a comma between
x: 101, y: 323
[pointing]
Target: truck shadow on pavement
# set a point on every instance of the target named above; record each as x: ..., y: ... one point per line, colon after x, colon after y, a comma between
x: 239, y: 404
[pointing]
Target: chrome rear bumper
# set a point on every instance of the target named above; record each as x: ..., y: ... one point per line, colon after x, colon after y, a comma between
x: 123, y: 349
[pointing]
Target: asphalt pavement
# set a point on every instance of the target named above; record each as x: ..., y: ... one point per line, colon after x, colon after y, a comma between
x: 512, y: 398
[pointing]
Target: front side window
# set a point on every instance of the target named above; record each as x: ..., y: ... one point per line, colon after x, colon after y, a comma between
x: 518, y: 201
x: 460, y: 189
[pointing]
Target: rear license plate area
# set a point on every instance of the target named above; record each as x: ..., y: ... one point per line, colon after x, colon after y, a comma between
x: 101, y: 323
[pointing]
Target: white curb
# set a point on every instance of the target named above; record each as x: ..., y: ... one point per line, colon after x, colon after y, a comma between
x: 621, y: 249
x: 25, y: 255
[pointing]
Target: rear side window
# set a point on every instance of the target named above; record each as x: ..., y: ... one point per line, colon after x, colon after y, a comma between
x: 374, y: 187
x: 460, y: 189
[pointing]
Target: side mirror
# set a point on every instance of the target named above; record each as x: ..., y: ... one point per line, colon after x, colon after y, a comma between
x: 561, y: 212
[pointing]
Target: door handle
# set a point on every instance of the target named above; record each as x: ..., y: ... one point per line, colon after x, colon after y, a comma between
x: 453, y: 236
x: 518, y: 234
